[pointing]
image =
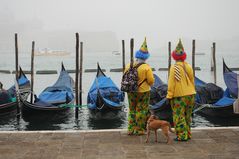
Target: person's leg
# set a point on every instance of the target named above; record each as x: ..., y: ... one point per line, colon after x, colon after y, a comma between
x: 178, y: 107
x: 132, y: 112
x: 142, y: 112
x: 189, y: 108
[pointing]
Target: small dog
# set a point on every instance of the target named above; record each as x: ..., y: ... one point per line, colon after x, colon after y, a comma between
x: 154, y: 123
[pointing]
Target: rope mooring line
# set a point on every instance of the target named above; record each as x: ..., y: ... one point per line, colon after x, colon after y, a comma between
x: 201, y: 107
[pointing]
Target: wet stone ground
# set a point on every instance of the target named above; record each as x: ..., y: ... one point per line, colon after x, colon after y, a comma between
x: 210, y: 143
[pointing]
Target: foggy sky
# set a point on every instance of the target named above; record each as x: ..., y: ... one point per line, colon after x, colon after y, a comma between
x: 158, y: 20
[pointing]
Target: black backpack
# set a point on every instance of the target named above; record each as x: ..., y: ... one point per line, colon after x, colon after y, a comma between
x: 129, y: 82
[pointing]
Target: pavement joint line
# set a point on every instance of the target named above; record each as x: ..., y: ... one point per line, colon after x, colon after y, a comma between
x: 105, y: 130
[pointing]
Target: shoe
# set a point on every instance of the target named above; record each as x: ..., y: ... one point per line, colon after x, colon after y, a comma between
x: 176, y: 139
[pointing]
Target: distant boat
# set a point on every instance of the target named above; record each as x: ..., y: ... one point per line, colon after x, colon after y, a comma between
x: 48, y: 52
x: 115, y: 52
x: 199, y: 53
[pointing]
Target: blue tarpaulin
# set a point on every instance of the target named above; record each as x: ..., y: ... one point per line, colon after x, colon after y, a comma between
x: 60, y: 92
x: 108, y: 90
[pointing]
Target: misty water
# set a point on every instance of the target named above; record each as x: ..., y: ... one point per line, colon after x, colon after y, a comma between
x: 107, y: 60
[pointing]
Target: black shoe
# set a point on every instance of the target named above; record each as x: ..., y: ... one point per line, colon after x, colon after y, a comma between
x: 176, y: 139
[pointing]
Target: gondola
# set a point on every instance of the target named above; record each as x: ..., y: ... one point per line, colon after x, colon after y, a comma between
x: 54, y: 99
x: 230, y: 79
x: 159, y: 105
x: 104, y: 95
x: 213, y: 101
x: 24, y: 87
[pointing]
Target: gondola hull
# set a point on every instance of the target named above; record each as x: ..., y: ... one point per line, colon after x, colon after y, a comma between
x: 8, y: 108
x: 11, y: 107
x: 54, y: 99
x: 104, y: 96
x: 222, y: 108
x: 31, y: 108
x: 218, y: 112
x: 159, y: 105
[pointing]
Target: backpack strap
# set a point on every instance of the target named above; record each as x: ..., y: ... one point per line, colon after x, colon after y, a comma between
x: 136, y: 66
x: 142, y: 82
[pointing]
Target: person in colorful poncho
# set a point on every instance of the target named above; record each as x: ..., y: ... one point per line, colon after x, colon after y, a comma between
x: 139, y: 101
x: 181, y: 93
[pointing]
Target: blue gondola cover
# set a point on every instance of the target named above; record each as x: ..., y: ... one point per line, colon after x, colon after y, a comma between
x: 60, y: 92
x: 108, y: 90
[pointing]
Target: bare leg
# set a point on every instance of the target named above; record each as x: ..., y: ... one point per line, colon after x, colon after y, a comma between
x: 156, y: 135
x: 148, y: 133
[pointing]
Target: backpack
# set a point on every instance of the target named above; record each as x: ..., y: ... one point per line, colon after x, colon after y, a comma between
x: 129, y: 82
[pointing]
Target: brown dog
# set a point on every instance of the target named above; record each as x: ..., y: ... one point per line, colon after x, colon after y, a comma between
x: 154, y: 123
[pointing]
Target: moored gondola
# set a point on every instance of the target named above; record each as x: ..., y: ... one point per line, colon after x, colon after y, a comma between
x: 230, y: 79
x: 54, y: 99
x: 10, y: 105
x: 158, y: 102
x: 104, y: 95
x: 213, y: 101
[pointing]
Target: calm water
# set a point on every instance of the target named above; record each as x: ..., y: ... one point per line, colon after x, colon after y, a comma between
x: 107, y: 61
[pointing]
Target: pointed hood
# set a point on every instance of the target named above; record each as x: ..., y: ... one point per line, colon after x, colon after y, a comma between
x: 142, y: 53
x: 179, y: 53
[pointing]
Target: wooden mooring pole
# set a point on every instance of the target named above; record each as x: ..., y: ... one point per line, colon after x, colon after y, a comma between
x: 123, y: 56
x: 193, y: 56
x: 169, y: 56
x: 77, y: 76
x: 16, y: 69
x: 32, y: 70
x: 16, y: 55
x: 81, y: 70
x: 214, y: 62
x: 131, y: 51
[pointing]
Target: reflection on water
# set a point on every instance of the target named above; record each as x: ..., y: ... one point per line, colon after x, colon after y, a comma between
x: 91, y: 121
x: 216, y: 121
x: 46, y: 120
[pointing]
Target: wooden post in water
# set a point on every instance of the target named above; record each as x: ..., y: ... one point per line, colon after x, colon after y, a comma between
x: 214, y: 62
x: 123, y: 56
x: 81, y: 70
x: 169, y: 56
x: 77, y: 76
x: 16, y: 56
x: 16, y: 75
x: 193, y: 56
x: 32, y: 70
x: 131, y: 51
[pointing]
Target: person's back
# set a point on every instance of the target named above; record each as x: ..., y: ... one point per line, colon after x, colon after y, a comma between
x: 181, y: 93
x: 183, y: 80
x: 139, y: 100
x: 145, y: 76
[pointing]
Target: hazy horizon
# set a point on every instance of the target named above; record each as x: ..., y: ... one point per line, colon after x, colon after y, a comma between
x: 53, y: 23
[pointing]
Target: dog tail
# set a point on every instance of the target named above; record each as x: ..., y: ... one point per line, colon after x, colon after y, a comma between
x: 170, y: 128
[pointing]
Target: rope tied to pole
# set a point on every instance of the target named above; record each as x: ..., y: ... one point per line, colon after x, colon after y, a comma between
x: 201, y: 107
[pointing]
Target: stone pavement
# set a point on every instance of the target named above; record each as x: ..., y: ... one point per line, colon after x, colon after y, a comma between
x: 207, y: 143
